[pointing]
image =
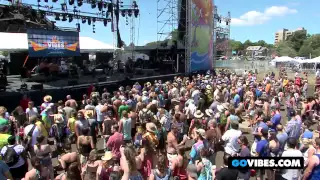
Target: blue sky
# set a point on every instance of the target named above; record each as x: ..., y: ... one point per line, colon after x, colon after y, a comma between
x: 251, y: 19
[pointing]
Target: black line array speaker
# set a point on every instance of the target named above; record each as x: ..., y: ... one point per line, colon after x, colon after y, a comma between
x: 37, y: 87
x: 102, y: 79
x: 72, y: 82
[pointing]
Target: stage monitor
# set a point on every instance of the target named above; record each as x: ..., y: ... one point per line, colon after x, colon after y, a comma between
x: 44, y: 43
x: 201, y: 38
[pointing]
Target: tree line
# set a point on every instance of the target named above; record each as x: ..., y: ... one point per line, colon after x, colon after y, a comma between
x: 300, y: 44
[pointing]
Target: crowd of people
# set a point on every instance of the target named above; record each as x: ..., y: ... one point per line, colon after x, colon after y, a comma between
x: 166, y: 130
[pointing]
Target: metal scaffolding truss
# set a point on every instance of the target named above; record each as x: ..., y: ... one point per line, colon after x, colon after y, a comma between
x: 187, y: 38
x: 167, y: 18
x: 222, y: 32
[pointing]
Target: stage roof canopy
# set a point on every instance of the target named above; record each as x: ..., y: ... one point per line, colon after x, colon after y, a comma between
x: 19, y: 42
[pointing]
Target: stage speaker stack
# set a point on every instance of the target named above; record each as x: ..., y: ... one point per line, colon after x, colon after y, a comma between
x: 72, y: 82
x: 37, y: 87
x: 102, y: 79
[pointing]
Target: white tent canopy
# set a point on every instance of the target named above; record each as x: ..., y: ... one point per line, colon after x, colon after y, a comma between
x: 19, y: 42
x: 283, y: 59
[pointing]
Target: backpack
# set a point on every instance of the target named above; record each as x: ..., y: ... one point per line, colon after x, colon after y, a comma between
x: 145, y: 116
x: 10, y: 156
x: 223, y: 119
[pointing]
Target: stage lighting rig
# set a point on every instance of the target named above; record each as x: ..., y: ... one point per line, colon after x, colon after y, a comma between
x: 80, y: 2
x: 78, y: 27
x: 64, y: 7
x: 94, y: 28
x: 93, y: 4
x: 93, y: 19
x: 89, y: 21
x: 71, y: 2
x: 129, y: 12
x: 110, y: 8
x: 57, y: 16
x: 105, y: 22
x: 84, y: 20
x: 54, y: 1
x: 136, y: 13
x: 123, y: 13
x: 70, y: 18
x: 46, y: 1
x: 64, y: 17
x: 100, y: 5
x: 134, y: 4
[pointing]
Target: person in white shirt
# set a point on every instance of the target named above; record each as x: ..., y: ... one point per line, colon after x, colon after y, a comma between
x: 290, y: 174
x: 18, y: 168
x: 230, y: 137
x: 31, y: 110
x: 34, y: 127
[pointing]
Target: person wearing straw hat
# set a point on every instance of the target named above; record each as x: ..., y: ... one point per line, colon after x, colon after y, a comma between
x: 200, y: 138
x: 46, y: 102
x: 197, y: 122
x: 107, y: 166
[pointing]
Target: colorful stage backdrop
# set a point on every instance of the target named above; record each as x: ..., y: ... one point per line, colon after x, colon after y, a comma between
x: 43, y: 43
x: 201, y: 35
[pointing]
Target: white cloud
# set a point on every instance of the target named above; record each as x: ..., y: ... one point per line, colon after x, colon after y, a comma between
x: 255, y: 17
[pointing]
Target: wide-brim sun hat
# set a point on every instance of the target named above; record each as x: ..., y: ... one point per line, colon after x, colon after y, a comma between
x: 47, y: 98
x: 151, y: 127
x: 198, y: 114
x: 208, y: 87
x: 222, y: 107
x: 201, y: 132
x: 107, y: 156
x: 209, y: 112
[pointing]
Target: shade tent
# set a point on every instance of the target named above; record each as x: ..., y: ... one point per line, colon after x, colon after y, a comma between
x: 19, y: 42
x: 283, y: 59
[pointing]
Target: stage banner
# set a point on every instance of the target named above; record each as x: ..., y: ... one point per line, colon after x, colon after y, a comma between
x: 201, y: 35
x: 43, y: 43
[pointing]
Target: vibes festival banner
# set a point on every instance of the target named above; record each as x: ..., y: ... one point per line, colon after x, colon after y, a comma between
x: 43, y: 43
x: 201, y: 35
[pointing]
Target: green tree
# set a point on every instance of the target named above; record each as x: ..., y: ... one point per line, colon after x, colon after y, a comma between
x: 236, y: 45
x: 247, y: 43
x: 297, y: 39
x: 261, y: 43
x: 316, y: 52
x: 305, y: 50
x: 4, y: 53
x: 285, y: 49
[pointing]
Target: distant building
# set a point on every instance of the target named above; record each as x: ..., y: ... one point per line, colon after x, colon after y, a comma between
x: 283, y: 34
x: 257, y: 51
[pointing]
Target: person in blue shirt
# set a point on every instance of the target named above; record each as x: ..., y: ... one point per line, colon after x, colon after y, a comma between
x: 236, y: 100
x: 258, y: 92
x: 261, y: 149
x: 308, y: 132
x: 275, y: 120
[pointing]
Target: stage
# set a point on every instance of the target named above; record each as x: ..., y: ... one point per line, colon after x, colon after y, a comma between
x: 59, y: 89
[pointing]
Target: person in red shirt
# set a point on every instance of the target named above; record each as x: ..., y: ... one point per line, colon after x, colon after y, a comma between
x: 24, y: 102
x: 114, y: 142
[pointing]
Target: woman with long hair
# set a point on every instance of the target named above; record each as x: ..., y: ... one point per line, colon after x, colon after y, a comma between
x: 85, y: 145
x: 89, y: 170
x: 73, y: 173
x: 43, y: 151
x: 128, y: 164
x: 162, y: 171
